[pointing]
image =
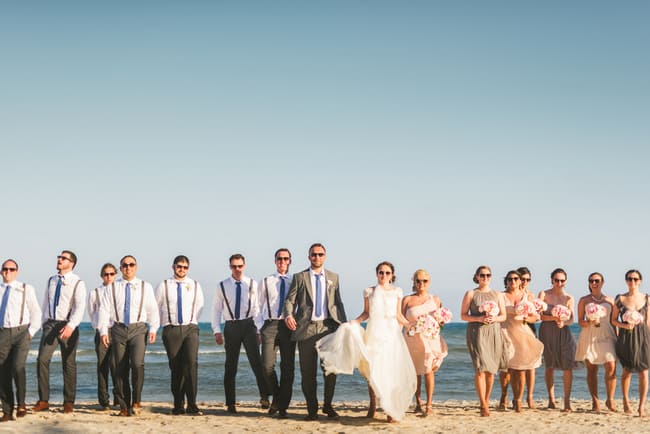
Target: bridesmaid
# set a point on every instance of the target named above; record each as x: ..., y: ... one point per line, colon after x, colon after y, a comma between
x: 559, y: 343
x: 427, y: 353
x: 632, y: 346
x: 527, y: 349
x: 525, y: 274
x: 596, y: 343
x: 483, y: 336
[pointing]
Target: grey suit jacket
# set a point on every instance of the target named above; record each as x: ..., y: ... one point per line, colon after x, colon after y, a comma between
x: 300, y: 302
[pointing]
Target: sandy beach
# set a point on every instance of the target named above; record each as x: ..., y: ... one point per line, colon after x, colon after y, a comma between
x: 449, y: 416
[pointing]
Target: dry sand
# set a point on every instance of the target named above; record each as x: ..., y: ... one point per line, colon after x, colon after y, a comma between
x: 448, y: 416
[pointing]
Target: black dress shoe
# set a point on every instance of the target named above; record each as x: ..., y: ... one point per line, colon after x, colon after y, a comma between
x: 178, y: 410
x: 311, y: 417
x: 282, y: 414
x: 194, y: 410
x: 331, y: 413
x: 231, y: 409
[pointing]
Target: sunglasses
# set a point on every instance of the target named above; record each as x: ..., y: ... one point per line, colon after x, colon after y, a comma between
x: 421, y: 281
x: 512, y: 279
x: 559, y: 280
x: 236, y: 267
x: 62, y: 258
x: 128, y: 264
x: 525, y: 279
x: 4, y: 269
x: 314, y: 255
x: 595, y: 280
x: 633, y: 279
x: 109, y: 274
x: 485, y: 275
x: 385, y: 273
x: 283, y: 258
x: 182, y: 267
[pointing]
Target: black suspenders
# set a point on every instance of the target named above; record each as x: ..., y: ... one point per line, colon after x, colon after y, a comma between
x: 250, y: 290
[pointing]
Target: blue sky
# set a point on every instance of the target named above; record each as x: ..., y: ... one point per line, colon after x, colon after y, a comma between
x: 436, y: 135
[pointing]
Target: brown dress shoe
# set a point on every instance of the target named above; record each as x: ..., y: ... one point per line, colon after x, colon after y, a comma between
x: 68, y: 407
x: 6, y: 417
x: 124, y: 412
x: 136, y: 407
x: 41, y: 406
x: 22, y: 411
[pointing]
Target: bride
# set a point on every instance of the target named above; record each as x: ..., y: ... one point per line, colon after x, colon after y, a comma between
x: 380, y: 353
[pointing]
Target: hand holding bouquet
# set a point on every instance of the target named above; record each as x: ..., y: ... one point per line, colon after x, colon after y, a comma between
x: 442, y: 316
x: 594, y: 312
x: 425, y: 325
x: 562, y: 313
x: 632, y: 317
x: 525, y: 308
x: 490, y: 308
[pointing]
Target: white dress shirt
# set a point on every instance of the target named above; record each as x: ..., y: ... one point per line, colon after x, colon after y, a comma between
x: 220, y: 309
x: 271, y: 285
x: 323, y: 285
x: 94, y: 301
x: 192, y: 301
x: 32, y: 312
x: 140, y: 291
x: 67, y: 304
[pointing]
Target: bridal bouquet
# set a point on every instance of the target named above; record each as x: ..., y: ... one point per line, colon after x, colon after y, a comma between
x: 426, y: 325
x: 562, y: 312
x: 525, y: 308
x: 632, y: 317
x: 594, y: 312
x: 490, y: 308
x: 540, y: 305
x: 442, y: 316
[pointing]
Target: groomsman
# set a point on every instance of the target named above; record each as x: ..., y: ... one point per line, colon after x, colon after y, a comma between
x: 180, y: 303
x: 108, y: 274
x: 63, y: 309
x: 276, y: 335
x: 314, y: 309
x: 127, y: 305
x: 236, y: 301
x: 20, y: 319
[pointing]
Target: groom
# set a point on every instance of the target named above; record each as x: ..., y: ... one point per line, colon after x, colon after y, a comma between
x: 313, y: 309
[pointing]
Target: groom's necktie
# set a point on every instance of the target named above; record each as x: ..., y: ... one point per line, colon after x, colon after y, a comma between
x: 237, y: 299
x: 283, y: 289
x: 179, y: 303
x: 127, y: 304
x: 57, y: 295
x: 319, y: 296
x: 3, y: 306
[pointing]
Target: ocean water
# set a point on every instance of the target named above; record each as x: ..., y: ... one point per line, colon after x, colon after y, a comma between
x: 454, y: 380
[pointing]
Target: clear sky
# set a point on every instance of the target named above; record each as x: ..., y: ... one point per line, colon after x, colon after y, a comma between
x: 434, y: 134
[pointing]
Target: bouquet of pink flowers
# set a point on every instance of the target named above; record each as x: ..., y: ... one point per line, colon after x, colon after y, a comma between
x: 594, y: 312
x: 425, y: 325
x: 540, y: 305
x: 443, y: 316
x: 632, y: 317
x: 490, y: 308
x: 561, y: 311
x: 525, y: 308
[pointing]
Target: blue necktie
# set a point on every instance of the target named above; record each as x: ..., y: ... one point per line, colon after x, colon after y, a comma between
x: 237, y: 299
x: 127, y: 304
x: 57, y: 294
x: 319, y: 295
x: 3, y: 306
x: 179, y: 302
x: 283, y: 289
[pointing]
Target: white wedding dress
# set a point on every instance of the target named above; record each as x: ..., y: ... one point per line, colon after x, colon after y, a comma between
x: 380, y: 352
